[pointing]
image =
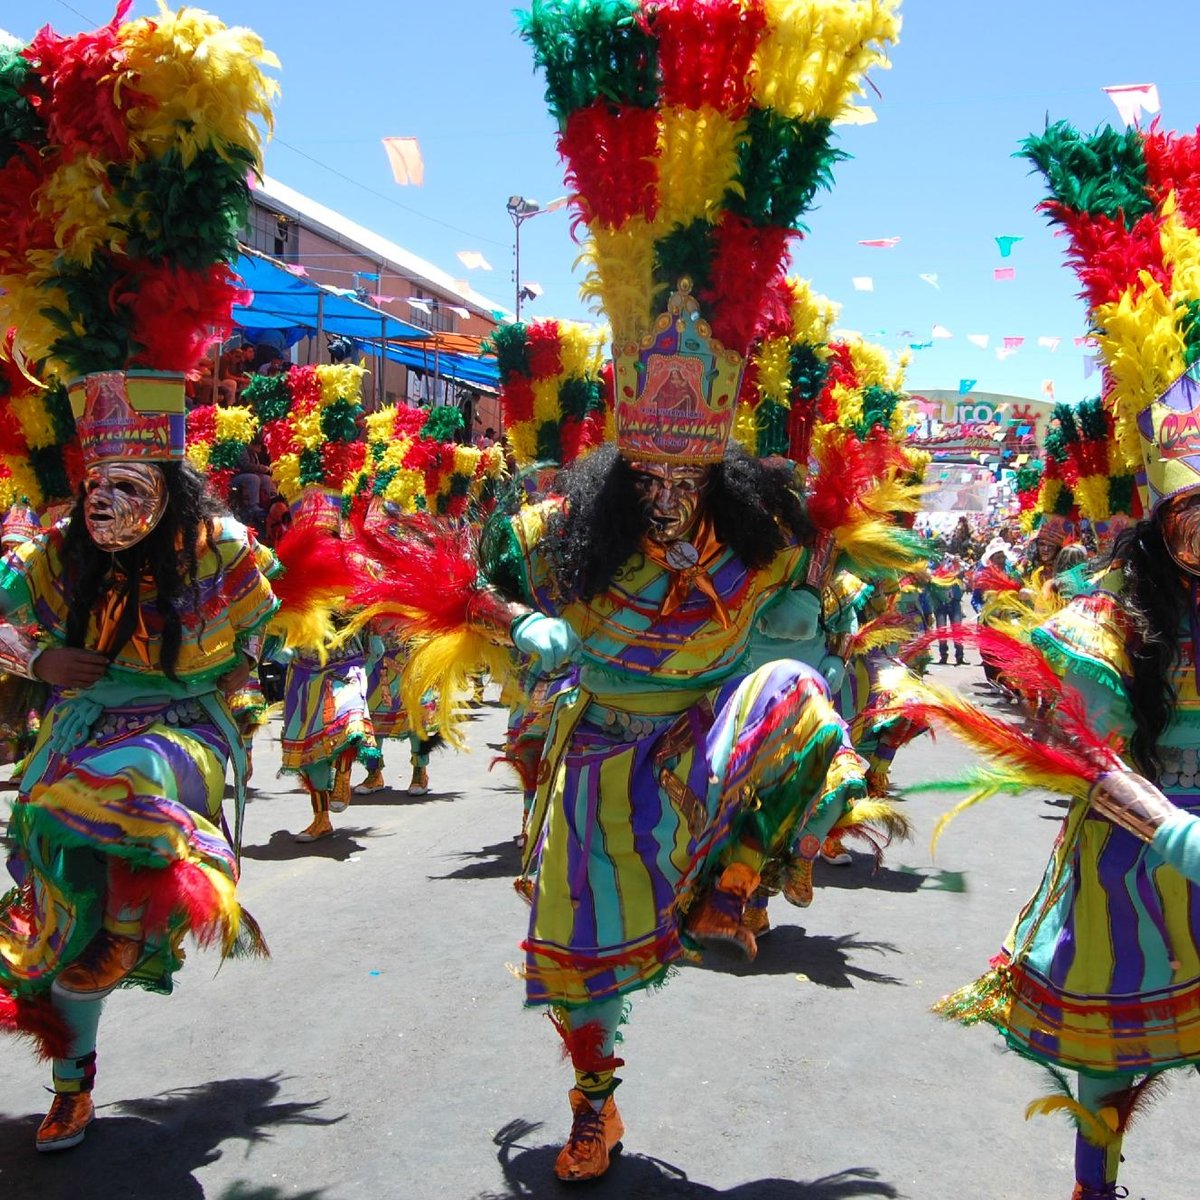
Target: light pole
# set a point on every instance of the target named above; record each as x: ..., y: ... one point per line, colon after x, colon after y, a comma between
x: 521, y: 210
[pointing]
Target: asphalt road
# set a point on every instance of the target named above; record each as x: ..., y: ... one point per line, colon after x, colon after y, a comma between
x: 383, y: 1053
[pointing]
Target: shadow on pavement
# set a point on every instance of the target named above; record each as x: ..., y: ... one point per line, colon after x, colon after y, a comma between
x: 390, y: 797
x: 283, y: 846
x: 529, y: 1174
x: 824, y: 959
x: 501, y: 860
x: 149, y: 1149
x: 862, y: 874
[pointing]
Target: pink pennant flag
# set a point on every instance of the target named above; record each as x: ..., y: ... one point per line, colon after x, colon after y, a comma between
x: 1049, y: 343
x: 1048, y: 389
x: 296, y: 268
x: 381, y: 299
x: 1004, y: 274
x: 1086, y: 340
x: 978, y: 339
x: 1133, y: 99
x: 1013, y: 343
x: 404, y: 157
x: 880, y: 243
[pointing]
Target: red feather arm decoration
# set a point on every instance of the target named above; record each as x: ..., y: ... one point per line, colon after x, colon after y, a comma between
x: 992, y: 579
x: 1061, y: 753
x: 422, y: 574
x: 320, y: 573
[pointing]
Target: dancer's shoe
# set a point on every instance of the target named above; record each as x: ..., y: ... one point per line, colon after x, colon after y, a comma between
x: 594, y: 1136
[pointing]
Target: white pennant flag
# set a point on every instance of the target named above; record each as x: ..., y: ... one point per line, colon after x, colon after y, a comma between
x: 978, y: 339
x: 1049, y: 343
x: 473, y: 260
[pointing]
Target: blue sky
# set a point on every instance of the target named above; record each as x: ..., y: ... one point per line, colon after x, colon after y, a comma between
x: 969, y: 79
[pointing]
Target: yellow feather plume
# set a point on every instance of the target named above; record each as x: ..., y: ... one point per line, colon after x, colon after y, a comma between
x: 1100, y: 1130
x: 443, y: 665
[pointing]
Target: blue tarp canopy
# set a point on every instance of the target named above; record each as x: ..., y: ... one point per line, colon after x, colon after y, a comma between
x: 465, y: 368
x: 298, y: 306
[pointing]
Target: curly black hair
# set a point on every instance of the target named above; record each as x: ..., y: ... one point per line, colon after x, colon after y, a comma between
x: 169, y: 555
x: 1156, y: 599
x: 756, y: 509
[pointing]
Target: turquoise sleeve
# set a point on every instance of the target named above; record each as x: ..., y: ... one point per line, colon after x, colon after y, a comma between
x: 1178, y: 842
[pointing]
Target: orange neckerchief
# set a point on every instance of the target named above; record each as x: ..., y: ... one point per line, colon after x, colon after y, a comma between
x: 683, y: 579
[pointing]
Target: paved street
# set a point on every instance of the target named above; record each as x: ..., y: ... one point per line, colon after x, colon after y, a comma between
x: 383, y: 1054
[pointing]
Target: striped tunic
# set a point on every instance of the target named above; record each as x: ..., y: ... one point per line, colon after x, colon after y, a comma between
x: 1101, y: 972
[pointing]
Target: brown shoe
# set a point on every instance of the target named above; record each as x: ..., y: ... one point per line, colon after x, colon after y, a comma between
x: 798, y: 884
x: 716, y: 921
x: 339, y: 797
x: 756, y: 922
x: 66, y: 1123
x: 105, y: 961
x: 321, y: 827
x: 594, y: 1136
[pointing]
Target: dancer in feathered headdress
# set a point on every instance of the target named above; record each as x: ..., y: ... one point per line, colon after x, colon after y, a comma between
x: 1101, y: 973
x: 123, y: 184
x: 312, y: 421
x: 696, y: 134
x: 412, y: 467
x: 836, y: 408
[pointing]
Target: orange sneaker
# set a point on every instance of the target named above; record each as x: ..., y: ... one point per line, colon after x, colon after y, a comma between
x: 798, y: 884
x: 321, y: 827
x: 756, y: 922
x: 105, y: 961
x: 66, y: 1123
x: 372, y: 784
x: 339, y: 796
x: 834, y: 852
x: 594, y: 1136
x: 716, y: 921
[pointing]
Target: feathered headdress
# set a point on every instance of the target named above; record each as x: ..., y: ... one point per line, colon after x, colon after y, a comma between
x: 124, y: 164
x: 414, y: 465
x: 40, y: 460
x: 217, y: 440
x: 555, y: 390
x: 696, y: 135
x: 312, y: 427
x: 1129, y: 202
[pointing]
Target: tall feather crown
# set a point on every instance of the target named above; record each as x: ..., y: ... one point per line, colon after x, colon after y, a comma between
x: 696, y: 134
x: 1129, y: 202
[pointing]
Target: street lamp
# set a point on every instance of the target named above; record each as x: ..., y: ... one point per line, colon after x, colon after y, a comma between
x: 521, y: 210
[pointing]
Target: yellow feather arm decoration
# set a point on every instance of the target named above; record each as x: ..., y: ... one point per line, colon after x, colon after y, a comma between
x: 1099, y: 1129
x: 878, y: 813
x: 444, y: 665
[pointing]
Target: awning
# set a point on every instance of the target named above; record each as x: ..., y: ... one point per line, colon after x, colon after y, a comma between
x: 467, y: 369
x: 299, y: 306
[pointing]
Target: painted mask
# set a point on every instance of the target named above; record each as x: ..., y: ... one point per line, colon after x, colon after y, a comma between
x: 1181, y: 531
x: 672, y: 497
x: 122, y: 503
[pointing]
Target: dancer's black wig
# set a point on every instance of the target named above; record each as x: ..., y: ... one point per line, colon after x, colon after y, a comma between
x: 754, y: 504
x: 1156, y: 599
x: 169, y: 555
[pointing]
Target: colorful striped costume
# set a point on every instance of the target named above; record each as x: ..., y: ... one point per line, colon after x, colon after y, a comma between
x: 130, y: 772
x: 1101, y: 972
x: 663, y: 758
